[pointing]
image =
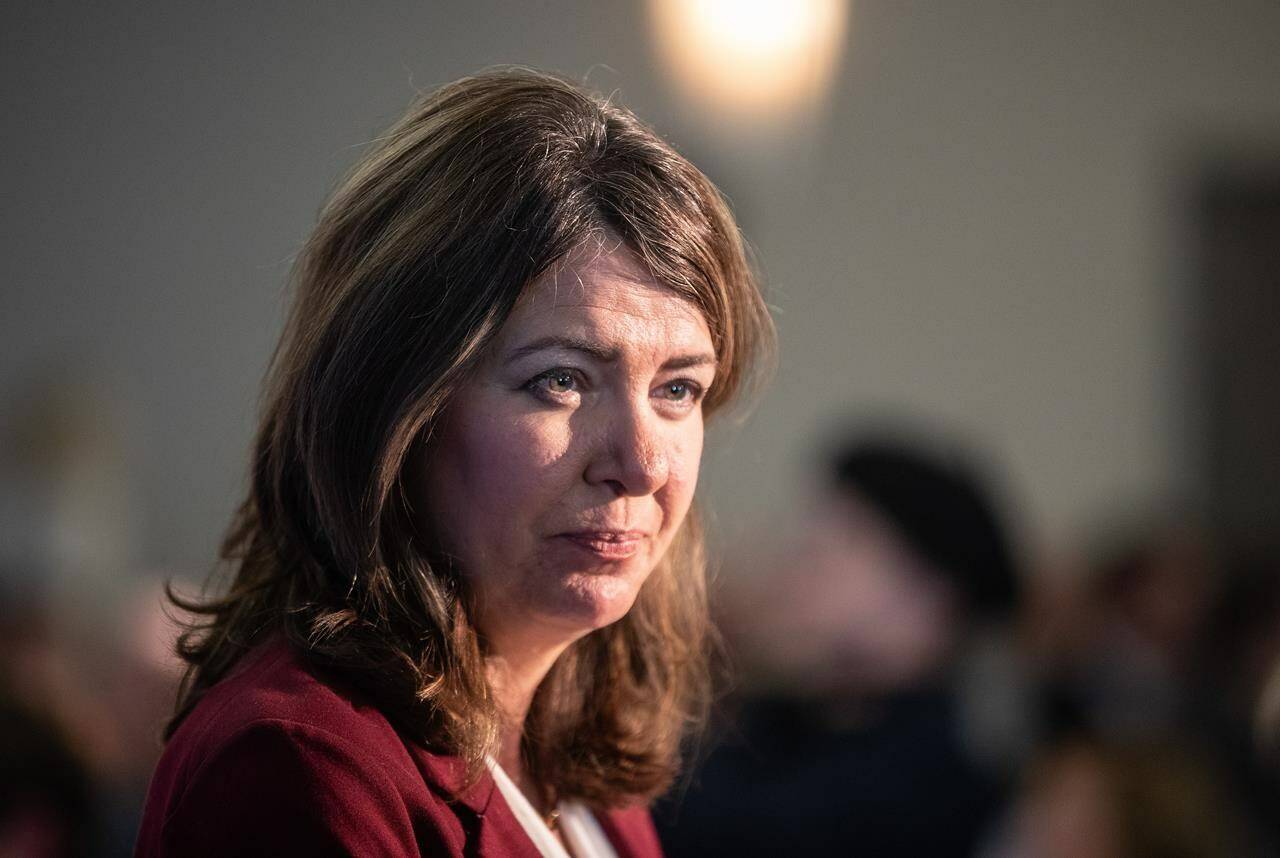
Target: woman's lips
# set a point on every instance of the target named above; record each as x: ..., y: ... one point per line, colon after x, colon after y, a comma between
x: 606, y: 544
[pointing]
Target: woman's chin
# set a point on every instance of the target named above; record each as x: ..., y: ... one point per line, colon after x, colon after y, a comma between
x: 586, y: 601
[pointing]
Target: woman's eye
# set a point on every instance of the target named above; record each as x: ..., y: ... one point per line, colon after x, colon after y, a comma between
x: 681, y: 392
x: 555, y: 384
x: 560, y: 382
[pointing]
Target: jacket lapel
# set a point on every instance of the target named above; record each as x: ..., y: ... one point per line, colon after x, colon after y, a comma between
x: 498, y: 834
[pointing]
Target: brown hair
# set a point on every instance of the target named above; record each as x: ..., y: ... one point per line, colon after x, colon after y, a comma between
x: 415, y: 263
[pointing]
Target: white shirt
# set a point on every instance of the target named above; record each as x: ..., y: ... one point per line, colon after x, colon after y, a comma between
x: 581, y: 829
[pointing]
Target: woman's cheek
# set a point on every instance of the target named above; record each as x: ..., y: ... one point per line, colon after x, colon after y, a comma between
x: 527, y: 457
x: 687, y: 457
x: 538, y: 441
x: 682, y: 480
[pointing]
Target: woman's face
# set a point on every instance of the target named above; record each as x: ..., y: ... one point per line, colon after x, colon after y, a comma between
x: 565, y: 465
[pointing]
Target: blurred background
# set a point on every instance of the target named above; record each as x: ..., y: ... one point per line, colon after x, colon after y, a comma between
x: 996, y: 552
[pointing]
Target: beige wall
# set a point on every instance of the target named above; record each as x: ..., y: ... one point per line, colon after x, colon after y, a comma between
x: 986, y: 227
x: 998, y: 236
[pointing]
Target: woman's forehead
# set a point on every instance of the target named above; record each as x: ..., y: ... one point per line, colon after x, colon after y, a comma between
x: 606, y: 303
x: 605, y: 281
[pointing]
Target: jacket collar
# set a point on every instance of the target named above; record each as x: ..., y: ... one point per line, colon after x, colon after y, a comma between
x: 497, y: 831
x: 448, y: 773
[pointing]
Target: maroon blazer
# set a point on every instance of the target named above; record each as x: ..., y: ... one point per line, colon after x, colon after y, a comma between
x: 277, y: 761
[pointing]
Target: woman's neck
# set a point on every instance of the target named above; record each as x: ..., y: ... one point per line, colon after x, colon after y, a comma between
x: 514, y: 682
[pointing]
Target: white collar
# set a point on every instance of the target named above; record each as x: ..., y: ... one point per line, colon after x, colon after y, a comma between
x: 579, y: 825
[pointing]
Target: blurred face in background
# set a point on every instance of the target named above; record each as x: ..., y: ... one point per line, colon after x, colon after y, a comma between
x: 568, y: 461
x: 857, y: 610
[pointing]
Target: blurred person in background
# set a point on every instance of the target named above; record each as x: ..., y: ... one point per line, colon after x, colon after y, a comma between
x: 81, y: 712
x: 1126, y: 656
x: 1241, y: 674
x: 47, y: 804
x: 855, y: 735
x: 1087, y: 797
x: 1151, y: 665
x: 46, y: 796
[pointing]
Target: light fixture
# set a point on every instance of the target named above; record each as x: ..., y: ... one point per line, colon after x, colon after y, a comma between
x: 757, y: 60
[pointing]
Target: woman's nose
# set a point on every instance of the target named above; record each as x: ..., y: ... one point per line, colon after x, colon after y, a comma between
x: 631, y: 456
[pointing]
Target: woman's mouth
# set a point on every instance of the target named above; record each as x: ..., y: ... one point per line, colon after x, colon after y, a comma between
x: 606, y: 544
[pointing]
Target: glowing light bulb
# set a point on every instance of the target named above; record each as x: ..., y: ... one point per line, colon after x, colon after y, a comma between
x: 752, y: 58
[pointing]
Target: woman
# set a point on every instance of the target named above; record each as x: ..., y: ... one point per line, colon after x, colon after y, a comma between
x: 467, y: 613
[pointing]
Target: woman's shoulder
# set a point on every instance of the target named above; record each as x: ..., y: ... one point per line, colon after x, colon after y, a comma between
x: 278, y: 756
x: 273, y: 687
x: 276, y: 759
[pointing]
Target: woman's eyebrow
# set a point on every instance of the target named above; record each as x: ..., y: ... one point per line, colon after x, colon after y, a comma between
x: 687, y: 361
x: 604, y: 355
x: 601, y: 353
